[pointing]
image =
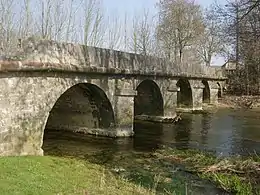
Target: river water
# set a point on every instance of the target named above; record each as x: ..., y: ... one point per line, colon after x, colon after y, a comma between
x: 225, y: 132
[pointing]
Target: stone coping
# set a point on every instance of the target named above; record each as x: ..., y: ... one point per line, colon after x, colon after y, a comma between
x: 30, y: 66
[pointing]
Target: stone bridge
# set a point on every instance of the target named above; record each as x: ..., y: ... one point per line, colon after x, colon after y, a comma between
x: 48, y: 85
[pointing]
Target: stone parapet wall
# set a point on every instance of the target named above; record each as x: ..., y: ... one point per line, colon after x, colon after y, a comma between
x: 52, y: 56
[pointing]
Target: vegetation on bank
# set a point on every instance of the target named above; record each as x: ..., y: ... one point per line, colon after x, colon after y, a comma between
x: 160, y: 172
x: 57, y: 175
x: 238, y: 175
x: 245, y: 102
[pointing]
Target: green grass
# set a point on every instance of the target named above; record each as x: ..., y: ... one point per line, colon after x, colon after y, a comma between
x: 56, y: 175
x: 230, y: 182
x: 143, y: 175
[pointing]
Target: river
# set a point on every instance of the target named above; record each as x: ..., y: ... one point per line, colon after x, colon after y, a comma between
x: 225, y: 132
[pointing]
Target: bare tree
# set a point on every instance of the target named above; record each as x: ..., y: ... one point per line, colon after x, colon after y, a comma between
x: 59, y: 20
x: 180, y: 23
x: 52, y: 20
x: 94, y: 31
x: 7, y: 25
x: 125, y: 32
x: 141, y: 40
x: 71, y: 21
x: 242, y: 29
x: 209, y: 43
x: 249, y: 6
x: 114, y: 32
x: 45, y: 25
x: 26, y: 28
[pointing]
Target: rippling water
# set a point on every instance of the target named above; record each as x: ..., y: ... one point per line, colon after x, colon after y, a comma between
x: 225, y: 132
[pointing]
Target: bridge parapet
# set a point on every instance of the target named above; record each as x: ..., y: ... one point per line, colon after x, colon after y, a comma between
x: 46, y: 55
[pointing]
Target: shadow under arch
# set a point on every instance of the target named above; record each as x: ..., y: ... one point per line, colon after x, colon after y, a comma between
x: 149, y: 100
x: 219, y: 90
x: 184, y: 95
x: 82, y: 106
x: 206, y: 92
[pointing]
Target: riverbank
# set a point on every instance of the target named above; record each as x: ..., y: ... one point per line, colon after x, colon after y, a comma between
x: 153, y: 173
x: 57, y: 175
x: 247, y: 102
x: 231, y: 102
x: 131, y: 160
x: 235, y: 174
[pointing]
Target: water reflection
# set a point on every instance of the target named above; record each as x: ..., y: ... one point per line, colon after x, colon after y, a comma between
x: 206, y: 125
x: 183, y: 133
x: 226, y: 132
x: 148, y: 136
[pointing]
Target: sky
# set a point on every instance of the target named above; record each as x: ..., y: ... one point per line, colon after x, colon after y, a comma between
x: 132, y: 5
x: 135, y: 6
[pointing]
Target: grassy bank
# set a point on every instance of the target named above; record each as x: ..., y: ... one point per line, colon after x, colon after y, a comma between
x: 56, y: 175
x: 150, y: 174
x: 235, y: 174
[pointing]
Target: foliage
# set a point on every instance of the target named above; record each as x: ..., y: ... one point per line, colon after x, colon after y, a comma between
x: 234, y: 174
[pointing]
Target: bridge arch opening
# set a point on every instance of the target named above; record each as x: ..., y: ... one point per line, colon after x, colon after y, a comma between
x: 219, y: 90
x: 149, y: 100
x: 206, y: 92
x: 184, y: 95
x: 81, y: 107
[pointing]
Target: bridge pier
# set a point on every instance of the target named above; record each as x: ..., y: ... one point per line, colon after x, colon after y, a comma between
x: 197, y: 94
x: 215, y: 89
x: 170, y: 99
x: 214, y: 95
x: 124, y: 112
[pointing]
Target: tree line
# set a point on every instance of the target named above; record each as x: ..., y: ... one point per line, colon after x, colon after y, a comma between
x: 241, y: 31
x: 178, y: 29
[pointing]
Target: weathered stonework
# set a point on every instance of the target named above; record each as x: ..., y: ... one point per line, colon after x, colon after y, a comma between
x: 169, y: 93
x: 197, y: 93
x: 83, y: 89
x: 215, y: 89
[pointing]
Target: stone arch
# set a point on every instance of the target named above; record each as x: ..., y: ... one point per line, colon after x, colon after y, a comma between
x: 149, y: 100
x: 219, y: 90
x: 184, y: 95
x: 206, y: 92
x: 83, y: 106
